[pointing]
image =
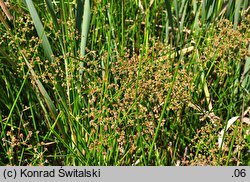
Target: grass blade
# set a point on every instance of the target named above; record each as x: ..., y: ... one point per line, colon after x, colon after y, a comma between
x: 79, y: 13
x: 40, y: 30
x: 245, y: 79
x: 237, y: 13
x: 84, y: 31
x: 52, y: 13
x: 14, y: 105
x: 170, y: 17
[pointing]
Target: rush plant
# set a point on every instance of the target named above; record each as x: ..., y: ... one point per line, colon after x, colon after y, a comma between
x: 123, y: 83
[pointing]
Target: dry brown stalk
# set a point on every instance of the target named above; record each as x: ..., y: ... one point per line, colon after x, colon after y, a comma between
x: 5, y: 10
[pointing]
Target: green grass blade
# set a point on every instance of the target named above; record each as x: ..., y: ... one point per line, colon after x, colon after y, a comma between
x: 176, y: 9
x: 163, y: 112
x: 4, y: 22
x: 229, y: 8
x: 170, y: 17
x: 183, y: 18
x: 245, y: 79
x: 14, y: 105
x: 42, y: 90
x: 40, y: 30
x: 79, y: 13
x: 237, y: 13
x: 52, y: 13
x: 84, y: 31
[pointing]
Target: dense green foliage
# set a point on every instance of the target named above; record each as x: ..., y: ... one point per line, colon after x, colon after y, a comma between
x: 128, y: 82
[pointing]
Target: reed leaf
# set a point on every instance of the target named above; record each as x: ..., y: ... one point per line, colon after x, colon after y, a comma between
x: 40, y: 30
x: 84, y: 30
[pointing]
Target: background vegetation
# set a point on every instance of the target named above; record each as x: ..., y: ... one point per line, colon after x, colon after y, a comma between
x: 128, y: 82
